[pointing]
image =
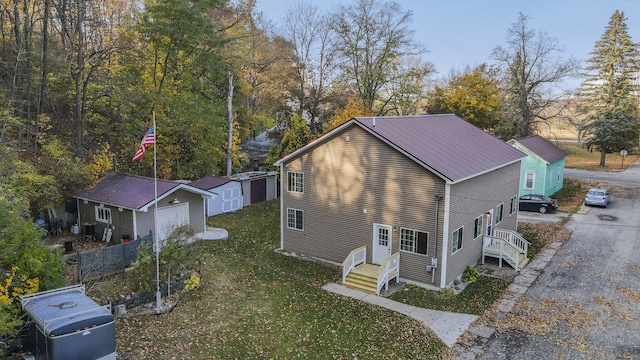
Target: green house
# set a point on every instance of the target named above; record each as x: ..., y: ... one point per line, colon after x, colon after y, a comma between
x: 542, y: 171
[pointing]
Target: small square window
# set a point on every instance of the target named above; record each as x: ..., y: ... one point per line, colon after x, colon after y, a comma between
x: 103, y: 214
x: 295, y: 182
x: 295, y: 219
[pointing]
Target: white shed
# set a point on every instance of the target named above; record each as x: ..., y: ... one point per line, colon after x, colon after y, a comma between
x: 227, y: 194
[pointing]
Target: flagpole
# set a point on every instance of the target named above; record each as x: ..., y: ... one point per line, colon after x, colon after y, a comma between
x: 155, y: 217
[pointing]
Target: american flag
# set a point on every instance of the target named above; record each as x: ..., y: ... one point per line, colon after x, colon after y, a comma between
x: 148, y: 139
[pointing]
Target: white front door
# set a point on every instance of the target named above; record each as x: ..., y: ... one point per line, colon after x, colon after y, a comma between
x: 381, y: 243
x: 489, y: 222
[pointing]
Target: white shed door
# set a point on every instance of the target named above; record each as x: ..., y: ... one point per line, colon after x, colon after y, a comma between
x: 231, y: 199
x: 172, y: 217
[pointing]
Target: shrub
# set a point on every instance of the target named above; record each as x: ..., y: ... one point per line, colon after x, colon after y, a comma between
x: 448, y: 293
x: 470, y: 274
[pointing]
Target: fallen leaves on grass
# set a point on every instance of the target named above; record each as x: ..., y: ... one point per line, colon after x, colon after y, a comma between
x: 255, y: 303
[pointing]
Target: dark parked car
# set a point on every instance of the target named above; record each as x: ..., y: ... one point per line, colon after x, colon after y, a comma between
x: 538, y: 203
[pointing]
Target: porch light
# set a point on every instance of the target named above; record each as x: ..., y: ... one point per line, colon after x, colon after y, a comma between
x: 174, y: 201
x: 487, y: 215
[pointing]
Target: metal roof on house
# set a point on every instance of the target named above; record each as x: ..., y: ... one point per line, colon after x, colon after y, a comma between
x: 131, y: 192
x: 447, y: 145
x: 542, y: 147
x: 209, y: 182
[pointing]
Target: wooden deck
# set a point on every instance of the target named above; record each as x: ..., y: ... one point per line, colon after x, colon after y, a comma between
x: 366, y: 269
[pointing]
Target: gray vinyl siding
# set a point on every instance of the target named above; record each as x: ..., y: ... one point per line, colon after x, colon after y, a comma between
x: 120, y: 221
x: 473, y: 198
x: 349, y: 186
x: 144, y: 220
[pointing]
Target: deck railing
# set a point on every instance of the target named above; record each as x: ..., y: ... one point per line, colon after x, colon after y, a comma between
x: 389, y: 269
x: 513, y: 238
x: 356, y: 257
x: 502, y: 249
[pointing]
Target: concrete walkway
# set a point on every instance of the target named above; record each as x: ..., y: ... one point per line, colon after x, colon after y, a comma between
x: 447, y: 326
x: 213, y: 234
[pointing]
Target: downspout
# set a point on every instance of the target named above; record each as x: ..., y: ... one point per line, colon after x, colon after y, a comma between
x: 434, y: 259
x: 282, y: 209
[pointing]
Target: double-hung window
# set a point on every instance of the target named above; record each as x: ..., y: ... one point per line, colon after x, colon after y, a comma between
x: 529, y: 180
x: 456, y: 240
x: 499, y: 213
x: 295, y: 182
x: 103, y: 214
x: 414, y: 241
x: 477, y: 228
x: 514, y: 205
x: 295, y: 219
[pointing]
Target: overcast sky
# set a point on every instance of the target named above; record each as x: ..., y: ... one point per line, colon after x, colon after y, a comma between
x: 457, y: 33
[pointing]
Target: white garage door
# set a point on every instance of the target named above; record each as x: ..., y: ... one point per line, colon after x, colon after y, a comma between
x: 172, y: 217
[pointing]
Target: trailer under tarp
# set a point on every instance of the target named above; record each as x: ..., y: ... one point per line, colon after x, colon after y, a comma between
x: 68, y: 325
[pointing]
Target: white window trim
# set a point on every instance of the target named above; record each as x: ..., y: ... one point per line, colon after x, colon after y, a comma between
x: 478, y: 225
x: 514, y: 205
x: 415, y: 241
x: 499, y: 214
x: 460, y: 238
x: 294, y: 188
x: 550, y: 182
x: 533, y: 180
x: 295, y: 219
x: 103, y: 214
x: 558, y: 174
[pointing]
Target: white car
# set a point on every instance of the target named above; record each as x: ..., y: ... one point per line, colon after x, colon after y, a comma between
x: 597, y: 197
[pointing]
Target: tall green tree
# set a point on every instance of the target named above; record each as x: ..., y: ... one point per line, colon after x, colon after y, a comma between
x: 297, y: 135
x: 370, y: 36
x: 534, y: 69
x: 473, y: 94
x: 606, y: 97
x: 187, y: 86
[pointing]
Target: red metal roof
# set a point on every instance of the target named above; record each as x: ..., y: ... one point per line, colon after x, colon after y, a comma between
x: 127, y: 191
x: 543, y: 148
x: 447, y: 144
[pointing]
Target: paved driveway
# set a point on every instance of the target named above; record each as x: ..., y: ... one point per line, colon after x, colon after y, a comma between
x: 586, y: 303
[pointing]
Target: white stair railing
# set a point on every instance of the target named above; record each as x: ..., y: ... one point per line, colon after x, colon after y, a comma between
x: 502, y: 249
x: 514, y: 239
x: 389, y: 269
x: 356, y: 257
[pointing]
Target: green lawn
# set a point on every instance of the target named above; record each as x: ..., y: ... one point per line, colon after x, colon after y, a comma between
x: 581, y: 158
x: 256, y: 303
x: 475, y: 299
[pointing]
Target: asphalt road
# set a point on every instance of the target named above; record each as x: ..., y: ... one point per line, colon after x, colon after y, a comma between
x: 586, y: 303
x: 629, y: 177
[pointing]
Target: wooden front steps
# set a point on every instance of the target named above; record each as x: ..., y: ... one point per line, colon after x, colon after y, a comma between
x: 494, y: 251
x: 363, y: 277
